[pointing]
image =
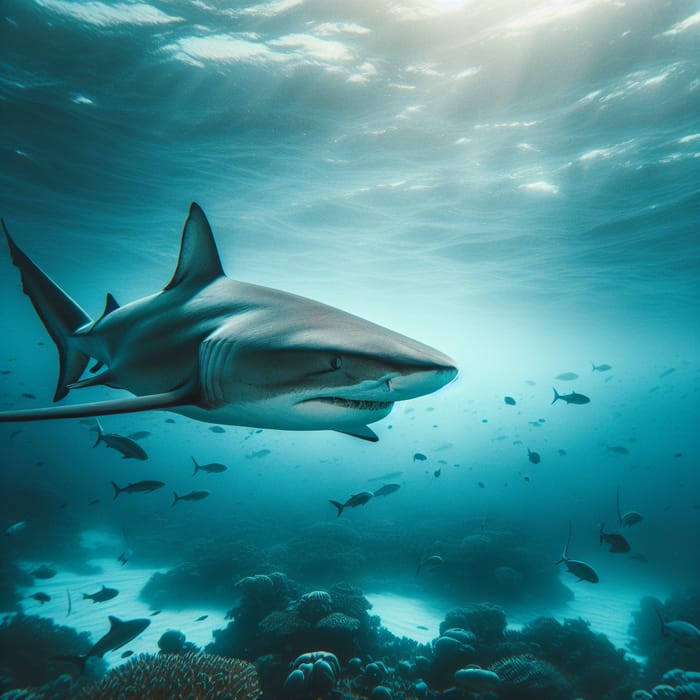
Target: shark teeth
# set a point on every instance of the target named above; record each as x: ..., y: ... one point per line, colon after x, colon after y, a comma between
x: 353, y: 403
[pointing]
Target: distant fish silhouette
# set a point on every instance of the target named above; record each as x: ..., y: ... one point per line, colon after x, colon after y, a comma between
x: 627, y: 519
x: 567, y: 376
x: 191, y: 496
x: 102, y: 595
x: 429, y: 563
x: 573, y: 397
x: 601, y: 368
x: 419, y: 457
x: 211, y: 468
x: 509, y: 400
x: 137, y: 487
x: 616, y: 542
x: 386, y: 489
x: 358, y: 499
x: 128, y: 448
x: 534, y: 457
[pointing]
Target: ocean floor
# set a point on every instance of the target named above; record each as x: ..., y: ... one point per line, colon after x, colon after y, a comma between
x: 608, y: 610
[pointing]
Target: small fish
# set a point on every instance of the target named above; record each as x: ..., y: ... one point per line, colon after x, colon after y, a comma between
x: 677, y: 455
x: 128, y: 448
x: 618, y: 544
x: 527, y: 478
x: 627, y: 519
x: 94, y: 502
x: 258, y: 454
x: 437, y: 472
x: 27, y: 395
x: 102, y: 595
x: 156, y: 612
x: 386, y: 489
x: 509, y: 400
x: 562, y: 453
x: 15, y: 528
x: 191, y: 496
x: 172, y: 420
x: 126, y: 654
x: 211, y: 468
x: 44, y: 572
x: 567, y: 376
x: 534, y: 457
x: 201, y: 618
x: 618, y: 449
x: 41, y: 597
x: 139, y: 435
x: 429, y: 563
x: 357, y: 499
x: 137, y: 487
x: 215, y: 429
x: 638, y: 556
x: 573, y: 397
x: 14, y: 434
x: 419, y: 457
x: 600, y: 368
x: 70, y: 603
x: 386, y: 477
x: 421, y: 627
x: 481, y: 485
x: 580, y: 569
x: 666, y: 372
x: 683, y: 633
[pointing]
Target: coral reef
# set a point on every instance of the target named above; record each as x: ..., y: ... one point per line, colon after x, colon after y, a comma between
x: 175, y: 677
x: 529, y: 678
x: 675, y: 685
x: 28, y: 644
x: 11, y: 579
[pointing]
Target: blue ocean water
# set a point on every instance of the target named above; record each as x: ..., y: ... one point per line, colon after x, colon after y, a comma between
x: 514, y: 183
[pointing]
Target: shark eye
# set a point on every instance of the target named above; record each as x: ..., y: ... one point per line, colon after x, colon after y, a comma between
x: 337, y: 362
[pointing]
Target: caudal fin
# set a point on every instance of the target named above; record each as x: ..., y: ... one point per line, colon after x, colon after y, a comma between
x: 339, y: 506
x: 117, y: 490
x: 176, y: 498
x: 100, y: 432
x: 556, y: 395
x: 196, y: 466
x: 59, y: 313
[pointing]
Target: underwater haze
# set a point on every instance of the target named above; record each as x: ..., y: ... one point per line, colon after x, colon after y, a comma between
x: 516, y: 184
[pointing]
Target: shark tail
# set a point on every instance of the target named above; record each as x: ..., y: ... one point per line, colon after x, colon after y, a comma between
x: 339, y: 506
x: 79, y: 661
x: 557, y: 395
x: 176, y: 498
x: 196, y: 466
x: 117, y: 490
x: 60, y: 315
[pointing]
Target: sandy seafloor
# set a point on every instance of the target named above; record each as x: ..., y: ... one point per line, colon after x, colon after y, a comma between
x: 608, y: 610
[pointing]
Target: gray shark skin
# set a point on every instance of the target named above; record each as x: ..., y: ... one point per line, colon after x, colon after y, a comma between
x: 228, y: 352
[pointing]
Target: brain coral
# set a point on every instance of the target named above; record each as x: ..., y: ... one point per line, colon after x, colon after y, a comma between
x: 167, y: 677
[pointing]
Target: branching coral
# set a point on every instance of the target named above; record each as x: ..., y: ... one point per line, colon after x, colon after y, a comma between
x: 528, y: 678
x: 175, y: 677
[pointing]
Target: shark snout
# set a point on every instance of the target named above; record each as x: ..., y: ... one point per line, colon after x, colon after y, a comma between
x: 419, y: 380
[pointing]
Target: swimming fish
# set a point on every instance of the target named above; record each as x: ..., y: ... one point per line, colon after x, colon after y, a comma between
x: 128, y: 448
x: 137, y: 487
x: 534, y: 457
x: 509, y: 400
x: 684, y: 633
x: 567, y: 376
x: 419, y: 457
x: 386, y: 489
x: 201, y: 618
x: 191, y: 496
x: 385, y: 477
x: 102, y: 595
x: 601, y: 368
x: 358, y: 499
x: 228, y: 352
x: 573, y: 397
x: 627, y: 519
x: 618, y: 449
x: 139, y: 435
x: 41, y: 597
x: 617, y: 543
x: 211, y: 468
x: 44, y: 572
x: 582, y: 571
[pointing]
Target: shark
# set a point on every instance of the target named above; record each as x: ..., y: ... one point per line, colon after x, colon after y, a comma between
x: 228, y: 352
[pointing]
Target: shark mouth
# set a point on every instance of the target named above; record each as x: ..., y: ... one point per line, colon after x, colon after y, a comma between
x: 353, y: 403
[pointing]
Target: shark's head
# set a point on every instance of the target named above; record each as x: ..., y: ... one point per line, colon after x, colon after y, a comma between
x: 328, y: 369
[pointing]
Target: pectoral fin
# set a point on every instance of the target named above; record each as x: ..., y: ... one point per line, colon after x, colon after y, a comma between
x: 132, y: 404
x: 359, y: 431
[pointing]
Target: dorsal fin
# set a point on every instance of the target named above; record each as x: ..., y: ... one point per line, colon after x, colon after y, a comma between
x: 198, y: 263
x: 110, y: 305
